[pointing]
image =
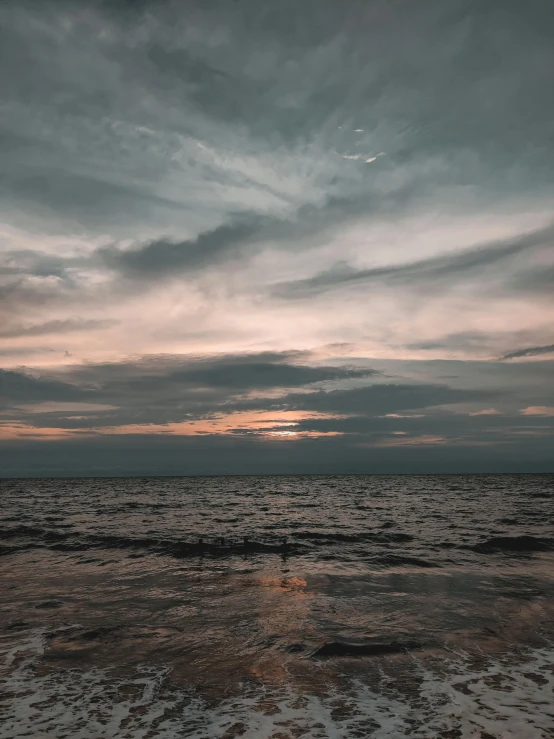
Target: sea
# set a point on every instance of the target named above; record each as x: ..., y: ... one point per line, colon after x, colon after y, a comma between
x: 287, y: 606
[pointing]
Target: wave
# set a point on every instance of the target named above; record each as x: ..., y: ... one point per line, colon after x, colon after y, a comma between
x: 74, y: 541
x: 371, y: 649
x: 458, y: 697
x: 21, y: 537
x: 368, y: 536
x: 76, y: 538
x: 400, y: 559
x: 523, y: 543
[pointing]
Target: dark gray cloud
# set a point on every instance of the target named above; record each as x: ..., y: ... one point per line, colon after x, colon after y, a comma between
x: 235, y: 371
x: 445, y: 423
x: 486, y: 262
x: 88, y: 90
x: 163, y: 394
x: 77, y: 194
x: 21, y: 387
x: 535, y: 280
x: 376, y: 399
x: 531, y: 351
x: 162, y: 257
x: 246, y: 234
x: 383, y: 426
x: 362, y: 51
x: 164, y: 389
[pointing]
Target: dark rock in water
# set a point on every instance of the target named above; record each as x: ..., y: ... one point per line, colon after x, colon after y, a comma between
x: 514, y: 544
x: 343, y: 649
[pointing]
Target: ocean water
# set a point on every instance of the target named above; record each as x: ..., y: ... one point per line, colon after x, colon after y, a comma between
x: 339, y: 606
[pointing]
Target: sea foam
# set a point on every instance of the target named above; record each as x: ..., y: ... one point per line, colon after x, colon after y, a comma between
x: 507, y: 698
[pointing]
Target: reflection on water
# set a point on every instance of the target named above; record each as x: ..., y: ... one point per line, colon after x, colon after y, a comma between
x: 351, y: 635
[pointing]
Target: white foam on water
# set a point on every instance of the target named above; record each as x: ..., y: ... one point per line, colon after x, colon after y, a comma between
x: 506, y: 699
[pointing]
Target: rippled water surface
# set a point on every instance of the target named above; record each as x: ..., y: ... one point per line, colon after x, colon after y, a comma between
x: 378, y: 606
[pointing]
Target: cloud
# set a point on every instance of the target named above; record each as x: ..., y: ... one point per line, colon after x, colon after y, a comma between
x: 56, y: 327
x: 535, y: 280
x: 245, y: 235
x: 176, y: 176
x: 531, y: 351
x: 463, y: 340
x: 436, y: 272
x: 18, y: 351
x: 158, y: 390
x: 425, y: 440
x: 36, y: 263
x: 20, y: 387
x: 367, y: 159
x: 373, y: 159
x: 233, y: 371
x: 161, y: 257
x: 538, y: 410
x: 248, y: 396
x: 113, y: 144
x: 64, y: 407
x: 375, y: 400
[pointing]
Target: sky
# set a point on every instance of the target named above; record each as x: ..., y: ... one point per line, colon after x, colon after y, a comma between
x: 271, y: 237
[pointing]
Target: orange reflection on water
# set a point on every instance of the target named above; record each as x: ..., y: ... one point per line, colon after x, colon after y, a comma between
x: 288, y: 584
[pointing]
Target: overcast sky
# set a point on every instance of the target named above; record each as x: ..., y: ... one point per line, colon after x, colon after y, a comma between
x: 275, y: 236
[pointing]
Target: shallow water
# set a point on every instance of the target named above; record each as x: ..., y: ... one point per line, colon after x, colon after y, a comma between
x: 399, y: 606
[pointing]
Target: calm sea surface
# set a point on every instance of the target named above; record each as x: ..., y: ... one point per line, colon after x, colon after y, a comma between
x: 363, y: 606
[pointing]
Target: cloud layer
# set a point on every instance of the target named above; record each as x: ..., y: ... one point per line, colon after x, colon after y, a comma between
x: 253, y: 225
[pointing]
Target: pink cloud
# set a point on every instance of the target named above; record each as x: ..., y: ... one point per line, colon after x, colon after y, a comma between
x: 538, y: 410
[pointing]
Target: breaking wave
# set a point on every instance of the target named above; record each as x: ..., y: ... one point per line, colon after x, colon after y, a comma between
x: 500, y: 699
